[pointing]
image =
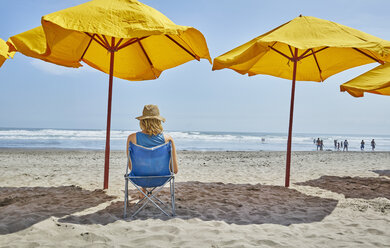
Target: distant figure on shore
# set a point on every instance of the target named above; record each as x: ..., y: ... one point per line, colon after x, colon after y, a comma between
x: 345, y: 145
x: 342, y: 144
x: 262, y: 140
x: 373, y: 144
x: 321, y: 145
x: 362, y: 145
x: 338, y: 146
x: 314, y: 141
x: 318, y: 143
x: 335, y: 144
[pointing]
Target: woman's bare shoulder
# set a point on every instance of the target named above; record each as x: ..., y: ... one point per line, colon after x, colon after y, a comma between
x: 167, y: 137
x: 132, y: 138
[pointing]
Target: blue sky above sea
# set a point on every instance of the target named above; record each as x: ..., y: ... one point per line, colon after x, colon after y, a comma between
x: 36, y: 94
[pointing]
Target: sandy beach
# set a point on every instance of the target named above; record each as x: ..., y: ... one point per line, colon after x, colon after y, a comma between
x: 224, y: 199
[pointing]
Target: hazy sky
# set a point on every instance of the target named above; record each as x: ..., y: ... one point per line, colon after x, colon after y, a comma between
x: 192, y: 97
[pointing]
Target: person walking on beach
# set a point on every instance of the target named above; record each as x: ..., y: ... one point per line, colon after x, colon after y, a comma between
x: 362, y: 145
x: 373, y: 144
x: 335, y: 144
x: 321, y: 145
x: 342, y: 144
x: 151, y: 133
x: 338, y: 146
x: 345, y: 145
x: 318, y: 143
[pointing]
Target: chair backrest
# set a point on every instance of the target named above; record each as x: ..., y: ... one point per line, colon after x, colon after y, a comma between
x: 153, y: 161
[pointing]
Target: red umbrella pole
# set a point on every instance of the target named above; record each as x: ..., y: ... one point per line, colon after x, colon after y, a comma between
x: 107, y: 155
x: 288, y: 160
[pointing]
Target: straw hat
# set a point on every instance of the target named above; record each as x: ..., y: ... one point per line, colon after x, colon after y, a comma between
x: 151, y: 112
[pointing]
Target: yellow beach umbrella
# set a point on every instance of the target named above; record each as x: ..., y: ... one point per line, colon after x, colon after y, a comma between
x: 304, y: 49
x: 32, y: 43
x: 375, y: 81
x: 123, y: 38
x: 4, y: 53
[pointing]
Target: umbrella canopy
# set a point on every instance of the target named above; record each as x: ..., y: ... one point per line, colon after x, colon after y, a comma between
x: 32, y: 43
x: 324, y: 49
x: 4, y: 54
x: 375, y: 81
x: 305, y: 49
x: 145, y: 41
x: 123, y: 38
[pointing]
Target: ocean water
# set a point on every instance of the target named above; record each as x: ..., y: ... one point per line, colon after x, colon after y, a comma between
x: 194, y: 141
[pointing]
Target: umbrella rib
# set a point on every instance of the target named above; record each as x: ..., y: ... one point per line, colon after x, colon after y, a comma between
x: 371, y: 57
x: 89, y: 43
x: 97, y: 41
x: 292, y: 54
x: 300, y: 57
x: 318, y: 65
x: 143, y: 50
x: 128, y: 43
x: 117, y: 45
x: 182, y: 47
x: 131, y: 41
x: 274, y: 44
x: 303, y: 54
x: 284, y: 55
x: 315, y: 52
x: 188, y: 46
x: 108, y: 44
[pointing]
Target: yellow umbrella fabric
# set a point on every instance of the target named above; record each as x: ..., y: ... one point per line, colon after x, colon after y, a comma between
x: 324, y: 49
x: 32, y: 43
x: 124, y: 38
x: 305, y: 49
x: 4, y: 52
x: 85, y: 33
x: 375, y: 81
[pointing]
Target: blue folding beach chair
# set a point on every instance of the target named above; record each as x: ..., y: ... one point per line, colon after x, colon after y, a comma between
x: 151, y: 168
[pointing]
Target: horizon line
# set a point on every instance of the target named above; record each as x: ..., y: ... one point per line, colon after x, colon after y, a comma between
x: 209, y: 131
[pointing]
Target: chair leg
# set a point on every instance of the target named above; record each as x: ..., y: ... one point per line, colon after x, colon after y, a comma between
x: 126, y: 198
x: 140, y: 208
x: 157, y: 206
x: 173, y: 195
x: 150, y: 195
x: 149, y: 198
x: 162, y: 203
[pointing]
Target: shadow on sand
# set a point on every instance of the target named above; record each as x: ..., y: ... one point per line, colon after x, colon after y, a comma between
x: 232, y: 203
x: 382, y: 172
x: 22, y: 207
x: 353, y: 187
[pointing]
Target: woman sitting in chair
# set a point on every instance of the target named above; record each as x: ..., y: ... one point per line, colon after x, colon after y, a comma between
x: 151, y: 134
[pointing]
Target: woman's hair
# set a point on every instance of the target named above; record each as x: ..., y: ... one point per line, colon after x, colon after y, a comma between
x: 151, y: 126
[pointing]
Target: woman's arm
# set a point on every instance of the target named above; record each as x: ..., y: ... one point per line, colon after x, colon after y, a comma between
x: 133, y: 139
x: 174, y: 157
